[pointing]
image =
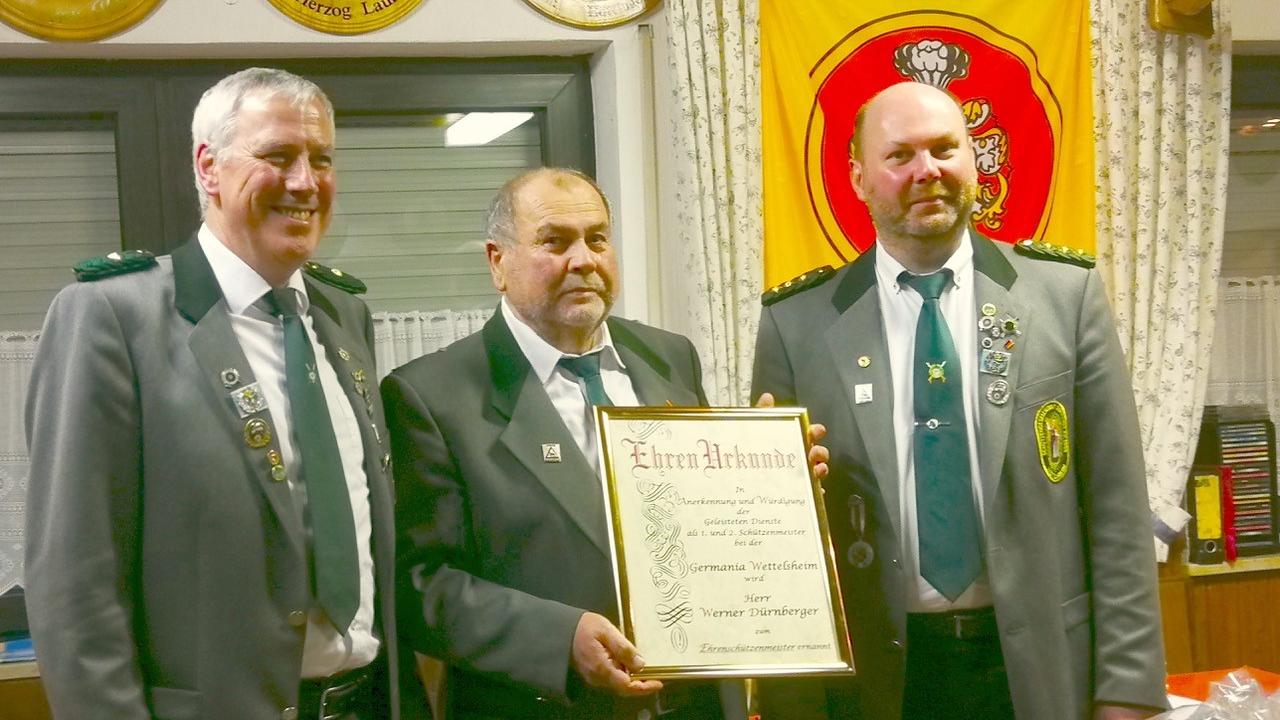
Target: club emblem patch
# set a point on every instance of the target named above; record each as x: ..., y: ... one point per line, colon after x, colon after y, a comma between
x: 1053, y: 440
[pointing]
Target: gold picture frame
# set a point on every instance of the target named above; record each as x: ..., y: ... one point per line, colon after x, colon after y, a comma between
x: 722, y: 554
x: 594, y: 14
x: 74, y: 20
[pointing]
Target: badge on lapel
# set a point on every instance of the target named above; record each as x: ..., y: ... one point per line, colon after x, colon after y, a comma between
x: 1053, y: 440
x: 249, y: 400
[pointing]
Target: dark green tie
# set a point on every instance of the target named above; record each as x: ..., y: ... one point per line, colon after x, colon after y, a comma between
x: 333, y: 531
x: 587, y: 367
x: 947, y: 521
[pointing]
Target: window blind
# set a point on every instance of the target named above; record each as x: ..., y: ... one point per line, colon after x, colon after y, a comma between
x: 58, y: 205
x: 410, y: 214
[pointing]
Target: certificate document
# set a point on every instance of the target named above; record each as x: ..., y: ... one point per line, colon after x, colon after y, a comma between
x: 720, y: 543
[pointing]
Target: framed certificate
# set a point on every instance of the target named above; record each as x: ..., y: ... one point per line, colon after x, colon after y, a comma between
x: 721, y: 549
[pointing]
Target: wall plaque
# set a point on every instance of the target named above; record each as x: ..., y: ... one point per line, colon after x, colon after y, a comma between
x: 74, y: 20
x: 593, y: 14
x: 346, y: 17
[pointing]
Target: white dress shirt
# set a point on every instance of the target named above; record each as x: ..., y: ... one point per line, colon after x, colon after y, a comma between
x: 261, y: 337
x: 566, y: 390
x: 900, y: 309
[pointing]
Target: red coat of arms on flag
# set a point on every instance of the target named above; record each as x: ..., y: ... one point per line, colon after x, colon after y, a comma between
x: 1013, y: 117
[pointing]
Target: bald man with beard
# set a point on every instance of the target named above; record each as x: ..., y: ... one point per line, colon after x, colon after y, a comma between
x: 987, y: 491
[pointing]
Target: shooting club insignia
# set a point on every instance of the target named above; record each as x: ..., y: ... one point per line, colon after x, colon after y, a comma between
x: 1053, y: 440
x: 1013, y: 119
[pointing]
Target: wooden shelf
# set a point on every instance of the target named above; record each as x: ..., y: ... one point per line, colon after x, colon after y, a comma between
x: 1241, y: 565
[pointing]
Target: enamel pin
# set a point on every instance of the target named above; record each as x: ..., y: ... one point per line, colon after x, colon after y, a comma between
x: 249, y: 400
x: 936, y: 371
x: 998, y: 391
x: 862, y: 393
x: 995, y: 362
x: 257, y: 433
x: 551, y: 452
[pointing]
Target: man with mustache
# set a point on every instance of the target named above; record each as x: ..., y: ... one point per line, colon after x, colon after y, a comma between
x: 987, y: 493
x: 503, y: 545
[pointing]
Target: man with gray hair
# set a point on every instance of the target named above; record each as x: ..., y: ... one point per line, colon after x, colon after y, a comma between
x: 209, y: 517
x: 503, y: 547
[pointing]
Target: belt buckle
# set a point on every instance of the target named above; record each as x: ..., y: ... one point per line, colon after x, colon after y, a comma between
x: 340, y: 691
x: 967, y: 627
x: 324, y: 702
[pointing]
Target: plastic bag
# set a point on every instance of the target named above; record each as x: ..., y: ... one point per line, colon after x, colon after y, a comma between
x: 1238, y: 696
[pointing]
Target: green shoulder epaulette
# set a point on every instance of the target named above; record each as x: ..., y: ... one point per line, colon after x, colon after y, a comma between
x: 335, y: 277
x: 813, y: 278
x: 1061, y: 253
x: 116, y: 263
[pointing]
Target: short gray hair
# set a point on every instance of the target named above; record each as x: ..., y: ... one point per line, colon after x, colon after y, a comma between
x: 216, y: 115
x: 500, y: 226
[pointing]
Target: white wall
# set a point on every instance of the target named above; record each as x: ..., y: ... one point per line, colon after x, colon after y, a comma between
x: 437, y: 28
x: 1255, y: 26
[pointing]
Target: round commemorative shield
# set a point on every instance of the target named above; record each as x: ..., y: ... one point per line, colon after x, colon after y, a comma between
x: 593, y: 14
x: 346, y: 17
x: 74, y: 20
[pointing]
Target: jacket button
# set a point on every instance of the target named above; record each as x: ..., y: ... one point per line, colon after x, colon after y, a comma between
x: 289, y: 713
x: 297, y: 618
x: 895, y: 644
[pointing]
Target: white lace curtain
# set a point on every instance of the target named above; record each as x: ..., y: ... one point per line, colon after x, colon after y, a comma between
x: 1161, y: 123
x: 17, y: 349
x: 711, y: 187
x: 1246, y: 350
x: 402, y: 336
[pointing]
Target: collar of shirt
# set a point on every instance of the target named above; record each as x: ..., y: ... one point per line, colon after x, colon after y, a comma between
x: 543, y: 356
x: 960, y: 264
x: 241, y: 285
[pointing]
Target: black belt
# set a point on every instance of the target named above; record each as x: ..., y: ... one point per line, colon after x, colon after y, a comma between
x: 976, y: 624
x: 676, y: 701
x: 336, y: 696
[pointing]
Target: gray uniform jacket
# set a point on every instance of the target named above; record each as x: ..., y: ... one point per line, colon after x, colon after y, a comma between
x: 166, y: 571
x: 1070, y: 559
x: 500, y: 552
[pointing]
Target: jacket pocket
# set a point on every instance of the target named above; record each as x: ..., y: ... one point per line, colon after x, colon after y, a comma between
x: 175, y: 703
x: 1043, y: 389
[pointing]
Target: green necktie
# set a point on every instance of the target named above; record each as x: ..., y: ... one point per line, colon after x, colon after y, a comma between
x: 947, y: 521
x: 333, y: 531
x: 587, y: 367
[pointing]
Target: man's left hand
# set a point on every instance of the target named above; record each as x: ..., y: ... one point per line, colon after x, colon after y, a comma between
x: 818, y: 454
x: 1121, y: 712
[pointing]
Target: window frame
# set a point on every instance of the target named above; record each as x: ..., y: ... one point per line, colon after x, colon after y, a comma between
x: 152, y: 102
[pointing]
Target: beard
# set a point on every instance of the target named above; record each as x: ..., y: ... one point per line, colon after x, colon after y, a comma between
x: 900, y: 216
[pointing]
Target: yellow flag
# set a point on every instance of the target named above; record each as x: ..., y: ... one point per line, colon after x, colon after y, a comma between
x: 1020, y: 70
